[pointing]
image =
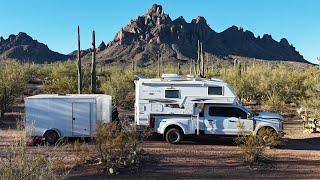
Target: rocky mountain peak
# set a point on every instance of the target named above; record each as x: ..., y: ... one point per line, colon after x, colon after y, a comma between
x: 180, y: 20
x: 284, y: 42
x: 267, y: 37
x: 24, y: 47
x: 102, y: 46
x: 154, y: 32
x: 1, y: 40
x: 199, y: 20
x: 155, y: 10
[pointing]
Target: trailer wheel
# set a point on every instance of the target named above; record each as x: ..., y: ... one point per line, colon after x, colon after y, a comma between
x: 173, y: 136
x: 51, y: 136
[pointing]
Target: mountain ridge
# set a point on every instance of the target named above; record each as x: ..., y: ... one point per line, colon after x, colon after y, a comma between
x: 155, y: 32
x: 24, y: 48
x: 144, y: 38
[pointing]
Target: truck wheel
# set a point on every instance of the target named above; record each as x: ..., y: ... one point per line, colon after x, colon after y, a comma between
x: 173, y: 136
x: 268, y: 136
x: 51, y: 137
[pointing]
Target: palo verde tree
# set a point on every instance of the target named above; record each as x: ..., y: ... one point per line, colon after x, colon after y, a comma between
x: 13, y: 80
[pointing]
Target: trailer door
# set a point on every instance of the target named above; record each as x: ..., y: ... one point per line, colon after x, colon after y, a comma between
x: 81, y: 119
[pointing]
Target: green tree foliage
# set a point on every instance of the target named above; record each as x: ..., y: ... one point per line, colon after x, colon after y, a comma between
x: 311, y: 101
x: 13, y: 80
x: 62, y: 78
x: 120, y: 86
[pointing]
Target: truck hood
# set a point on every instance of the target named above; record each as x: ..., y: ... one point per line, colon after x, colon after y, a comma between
x: 268, y: 115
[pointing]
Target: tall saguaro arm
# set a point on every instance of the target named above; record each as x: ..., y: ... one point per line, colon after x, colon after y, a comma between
x: 79, y: 65
x: 93, y: 65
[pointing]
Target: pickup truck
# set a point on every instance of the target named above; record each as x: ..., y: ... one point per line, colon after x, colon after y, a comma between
x: 218, y: 119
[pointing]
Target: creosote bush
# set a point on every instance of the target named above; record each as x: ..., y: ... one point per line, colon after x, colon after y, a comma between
x: 117, y: 146
x: 252, y: 148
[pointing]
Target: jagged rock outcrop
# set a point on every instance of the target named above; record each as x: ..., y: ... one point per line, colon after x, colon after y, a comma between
x: 154, y: 32
x: 102, y: 47
x: 23, y: 48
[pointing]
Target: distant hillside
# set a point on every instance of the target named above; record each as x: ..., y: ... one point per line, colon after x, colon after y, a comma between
x: 154, y: 32
x: 23, y: 48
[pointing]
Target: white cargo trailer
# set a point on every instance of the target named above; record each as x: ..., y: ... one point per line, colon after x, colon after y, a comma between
x: 72, y: 115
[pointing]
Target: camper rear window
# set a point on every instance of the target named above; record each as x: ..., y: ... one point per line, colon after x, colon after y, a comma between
x: 169, y: 93
x: 217, y: 90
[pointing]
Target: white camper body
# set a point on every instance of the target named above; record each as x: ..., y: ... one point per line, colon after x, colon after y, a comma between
x: 176, y: 95
x: 67, y: 115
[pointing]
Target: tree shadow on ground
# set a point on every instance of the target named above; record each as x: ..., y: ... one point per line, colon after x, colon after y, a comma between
x: 300, y: 144
x: 199, y: 140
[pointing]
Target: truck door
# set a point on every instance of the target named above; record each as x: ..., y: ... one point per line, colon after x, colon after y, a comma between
x: 215, y: 117
x: 237, y: 119
x: 209, y: 124
x: 81, y: 119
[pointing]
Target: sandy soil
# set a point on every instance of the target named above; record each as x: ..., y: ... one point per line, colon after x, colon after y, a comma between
x: 215, y: 157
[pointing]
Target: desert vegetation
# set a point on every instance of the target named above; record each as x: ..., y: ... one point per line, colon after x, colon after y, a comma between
x: 274, y: 88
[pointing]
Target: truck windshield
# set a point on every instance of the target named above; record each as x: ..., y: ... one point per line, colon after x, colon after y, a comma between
x: 248, y: 111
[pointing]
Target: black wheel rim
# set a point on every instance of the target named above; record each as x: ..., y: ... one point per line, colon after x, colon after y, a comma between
x: 173, y: 137
x: 51, y: 138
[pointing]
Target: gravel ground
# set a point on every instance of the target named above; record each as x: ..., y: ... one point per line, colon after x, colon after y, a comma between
x: 298, y: 157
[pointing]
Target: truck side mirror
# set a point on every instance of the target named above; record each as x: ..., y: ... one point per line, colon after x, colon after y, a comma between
x: 249, y: 116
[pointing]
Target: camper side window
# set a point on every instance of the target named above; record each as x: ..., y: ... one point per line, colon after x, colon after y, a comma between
x: 217, y: 90
x: 170, y: 93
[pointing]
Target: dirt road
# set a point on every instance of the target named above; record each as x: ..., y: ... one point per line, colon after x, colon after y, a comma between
x: 206, y: 158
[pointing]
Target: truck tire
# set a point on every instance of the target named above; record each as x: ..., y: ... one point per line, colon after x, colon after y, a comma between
x: 268, y: 136
x: 51, y: 137
x: 173, y: 136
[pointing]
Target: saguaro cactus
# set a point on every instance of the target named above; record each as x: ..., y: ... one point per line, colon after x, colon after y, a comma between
x: 202, y: 61
x: 158, y: 57
x: 79, y: 65
x: 133, y: 65
x: 93, y: 65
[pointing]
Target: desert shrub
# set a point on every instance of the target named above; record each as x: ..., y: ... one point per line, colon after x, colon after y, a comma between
x: 117, y: 146
x: 43, y: 163
x: 121, y: 87
x: 311, y: 101
x: 13, y: 81
x: 253, y: 145
x: 63, y: 78
x: 252, y: 148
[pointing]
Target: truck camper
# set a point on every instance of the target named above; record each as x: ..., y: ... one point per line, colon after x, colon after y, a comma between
x: 175, y: 106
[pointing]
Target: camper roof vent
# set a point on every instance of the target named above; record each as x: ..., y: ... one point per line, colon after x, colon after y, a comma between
x: 218, y: 80
x: 170, y: 76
